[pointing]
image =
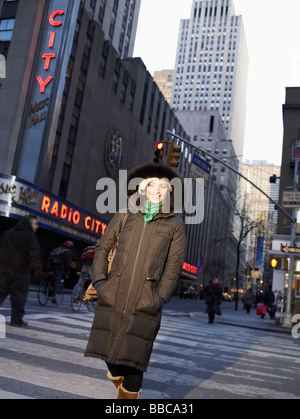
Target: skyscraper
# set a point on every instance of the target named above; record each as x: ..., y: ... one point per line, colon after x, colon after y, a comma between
x: 212, y: 66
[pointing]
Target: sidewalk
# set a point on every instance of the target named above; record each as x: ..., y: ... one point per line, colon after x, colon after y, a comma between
x: 231, y: 317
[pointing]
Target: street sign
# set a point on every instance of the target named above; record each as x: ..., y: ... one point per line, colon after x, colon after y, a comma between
x: 290, y: 249
x: 200, y: 169
x: 291, y: 199
x: 296, y: 152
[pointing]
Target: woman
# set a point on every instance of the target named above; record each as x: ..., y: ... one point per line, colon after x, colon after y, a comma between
x: 143, y: 277
x: 248, y: 299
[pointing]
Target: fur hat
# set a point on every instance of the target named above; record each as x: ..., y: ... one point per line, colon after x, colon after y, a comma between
x: 149, y: 171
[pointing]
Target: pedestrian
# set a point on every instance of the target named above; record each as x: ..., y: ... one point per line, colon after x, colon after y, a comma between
x: 143, y: 277
x: 213, y: 299
x: 60, y: 263
x: 19, y: 254
x: 248, y: 299
x: 87, y: 257
x: 268, y: 299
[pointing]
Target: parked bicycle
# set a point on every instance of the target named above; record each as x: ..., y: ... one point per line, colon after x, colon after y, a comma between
x: 79, y: 291
x: 45, y: 289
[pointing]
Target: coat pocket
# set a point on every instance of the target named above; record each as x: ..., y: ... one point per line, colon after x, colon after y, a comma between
x: 107, y: 292
x: 149, y: 301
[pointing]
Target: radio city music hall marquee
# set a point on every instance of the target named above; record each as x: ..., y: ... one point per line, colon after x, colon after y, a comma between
x: 19, y: 198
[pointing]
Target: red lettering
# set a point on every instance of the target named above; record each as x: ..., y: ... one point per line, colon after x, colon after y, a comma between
x: 48, y: 57
x: 70, y: 214
x: 46, y: 204
x: 86, y: 225
x: 63, y: 212
x: 103, y: 228
x: 53, y: 15
x: 51, y: 40
x: 186, y: 266
x: 54, y: 210
x: 76, y: 217
x: 98, y: 223
x: 42, y: 83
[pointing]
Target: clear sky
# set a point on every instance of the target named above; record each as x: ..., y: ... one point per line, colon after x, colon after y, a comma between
x: 273, y: 36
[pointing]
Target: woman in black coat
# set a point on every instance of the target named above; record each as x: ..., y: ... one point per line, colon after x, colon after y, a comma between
x: 143, y: 277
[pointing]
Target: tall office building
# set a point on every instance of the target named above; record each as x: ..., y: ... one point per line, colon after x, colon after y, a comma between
x: 260, y: 210
x: 164, y: 80
x: 212, y: 66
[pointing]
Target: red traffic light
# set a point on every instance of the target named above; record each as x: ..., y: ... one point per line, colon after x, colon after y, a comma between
x: 159, y: 152
x: 159, y: 146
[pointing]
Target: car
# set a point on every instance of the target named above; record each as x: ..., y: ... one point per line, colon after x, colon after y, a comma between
x: 188, y: 292
x: 226, y: 296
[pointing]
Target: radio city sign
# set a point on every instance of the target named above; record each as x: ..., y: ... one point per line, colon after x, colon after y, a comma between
x: 19, y: 198
x: 46, y: 85
x: 49, y: 55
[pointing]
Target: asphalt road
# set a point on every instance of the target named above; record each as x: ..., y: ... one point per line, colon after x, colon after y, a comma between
x: 191, y: 360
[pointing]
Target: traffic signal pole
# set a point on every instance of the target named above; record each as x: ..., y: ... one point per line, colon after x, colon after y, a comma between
x: 206, y: 153
x: 287, y: 319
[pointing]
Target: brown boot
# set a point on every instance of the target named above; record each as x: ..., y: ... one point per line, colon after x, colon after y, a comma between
x: 125, y: 394
x: 117, y: 381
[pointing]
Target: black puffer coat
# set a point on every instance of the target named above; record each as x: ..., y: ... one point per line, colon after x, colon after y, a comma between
x: 144, y: 271
x: 19, y: 248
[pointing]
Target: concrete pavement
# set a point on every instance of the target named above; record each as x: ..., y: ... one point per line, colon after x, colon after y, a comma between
x: 196, y: 310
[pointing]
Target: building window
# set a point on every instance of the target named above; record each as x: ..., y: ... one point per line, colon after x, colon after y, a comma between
x: 6, y: 29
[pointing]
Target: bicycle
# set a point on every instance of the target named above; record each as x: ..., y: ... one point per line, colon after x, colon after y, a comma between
x: 79, y: 292
x: 45, y: 289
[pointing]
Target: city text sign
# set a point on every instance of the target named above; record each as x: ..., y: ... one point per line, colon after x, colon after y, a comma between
x: 291, y: 199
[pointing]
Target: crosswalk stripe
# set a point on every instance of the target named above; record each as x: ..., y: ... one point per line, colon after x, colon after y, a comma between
x: 52, y: 350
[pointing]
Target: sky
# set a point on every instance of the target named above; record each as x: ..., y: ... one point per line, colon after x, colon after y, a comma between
x: 273, y: 38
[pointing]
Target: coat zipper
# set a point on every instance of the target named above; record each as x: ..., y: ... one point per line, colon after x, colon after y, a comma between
x: 134, y: 268
x: 116, y: 346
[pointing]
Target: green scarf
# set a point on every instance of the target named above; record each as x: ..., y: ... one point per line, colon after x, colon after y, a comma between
x: 151, y: 210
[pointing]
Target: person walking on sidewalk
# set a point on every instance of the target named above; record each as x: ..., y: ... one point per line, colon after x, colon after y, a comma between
x: 213, y: 299
x: 248, y: 299
x: 19, y: 253
x: 268, y: 299
x: 143, y: 277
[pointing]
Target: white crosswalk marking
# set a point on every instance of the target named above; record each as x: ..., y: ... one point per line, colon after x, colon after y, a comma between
x: 189, y: 360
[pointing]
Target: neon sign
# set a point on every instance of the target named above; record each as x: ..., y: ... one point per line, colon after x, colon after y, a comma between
x: 19, y: 198
x: 67, y: 213
x: 48, y: 56
x: 189, y: 268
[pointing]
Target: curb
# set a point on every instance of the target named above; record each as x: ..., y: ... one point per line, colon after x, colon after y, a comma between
x: 264, y: 329
x: 230, y: 323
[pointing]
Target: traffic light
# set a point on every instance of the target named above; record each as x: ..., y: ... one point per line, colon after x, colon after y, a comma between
x: 276, y: 263
x: 159, y: 152
x: 174, y: 155
x: 273, y: 179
